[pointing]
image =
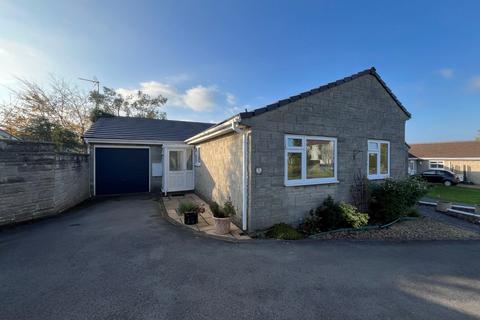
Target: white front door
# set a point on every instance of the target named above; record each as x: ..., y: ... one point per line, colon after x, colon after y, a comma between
x: 179, y: 169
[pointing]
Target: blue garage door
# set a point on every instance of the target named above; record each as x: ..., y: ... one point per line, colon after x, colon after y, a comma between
x: 121, y: 170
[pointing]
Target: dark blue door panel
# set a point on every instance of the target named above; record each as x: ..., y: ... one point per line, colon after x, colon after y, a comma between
x: 120, y: 170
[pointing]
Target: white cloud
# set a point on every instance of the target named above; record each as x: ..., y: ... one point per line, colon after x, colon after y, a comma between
x: 446, y: 73
x: 18, y: 60
x: 474, y: 84
x: 199, y: 98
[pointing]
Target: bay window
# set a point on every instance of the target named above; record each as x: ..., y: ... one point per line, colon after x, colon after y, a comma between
x: 378, y: 159
x: 310, y: 160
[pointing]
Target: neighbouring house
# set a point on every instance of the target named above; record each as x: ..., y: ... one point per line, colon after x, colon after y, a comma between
x: 461, y: 157
x: 4, y: 135
x: 274, y: 163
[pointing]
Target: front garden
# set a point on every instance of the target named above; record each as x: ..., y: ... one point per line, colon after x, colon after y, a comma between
x: 388, y: 213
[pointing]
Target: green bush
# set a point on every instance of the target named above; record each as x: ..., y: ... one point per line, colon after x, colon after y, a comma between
x: 413, y: 213
x: 187, y: 206
x: 394, y: 198
x: 333, y: 215
x: 215, y: 209
x: 352, y: 217
x: 284, y: 232
x: 228, y: 210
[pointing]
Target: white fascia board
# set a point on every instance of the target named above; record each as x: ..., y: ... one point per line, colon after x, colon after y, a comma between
x: 224, y: 128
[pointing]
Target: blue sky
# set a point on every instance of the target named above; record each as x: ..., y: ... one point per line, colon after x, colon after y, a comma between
x: 215, y: 58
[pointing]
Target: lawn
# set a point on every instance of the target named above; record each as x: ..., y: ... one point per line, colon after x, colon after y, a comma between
x: 454, y: 194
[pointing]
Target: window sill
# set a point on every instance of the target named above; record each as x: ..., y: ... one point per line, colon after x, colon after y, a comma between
x: 309, y: 183
x: 378, y: 177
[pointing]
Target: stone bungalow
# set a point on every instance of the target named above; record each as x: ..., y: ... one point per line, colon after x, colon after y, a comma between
x: 461, y: 157
x: 274, y: 163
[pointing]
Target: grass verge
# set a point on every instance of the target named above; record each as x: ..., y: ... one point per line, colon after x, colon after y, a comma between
x: 455, y: 194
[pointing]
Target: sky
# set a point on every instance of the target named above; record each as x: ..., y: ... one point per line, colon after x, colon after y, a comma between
x: 213, y: 59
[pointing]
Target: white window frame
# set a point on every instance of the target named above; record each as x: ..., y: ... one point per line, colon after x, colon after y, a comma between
x: 378, y: 175
x: 434, y: 164
x: 304, y: 181
x: 196, y: 157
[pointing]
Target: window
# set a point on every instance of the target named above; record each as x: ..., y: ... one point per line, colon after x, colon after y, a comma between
x: 310, y: 160
x: 436, y: 164
x: 175, y: 161
x: 378, y: 159
x: 196, y: 156
x: 189, y: 159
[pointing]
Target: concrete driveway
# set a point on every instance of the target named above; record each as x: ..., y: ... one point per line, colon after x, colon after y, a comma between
x: 118, y: 259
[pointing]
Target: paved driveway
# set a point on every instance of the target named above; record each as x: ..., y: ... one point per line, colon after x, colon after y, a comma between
x: 117, y: 259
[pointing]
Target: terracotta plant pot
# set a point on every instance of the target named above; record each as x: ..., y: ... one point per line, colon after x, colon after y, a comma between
x: 222, y: 225
x: 443, y: 206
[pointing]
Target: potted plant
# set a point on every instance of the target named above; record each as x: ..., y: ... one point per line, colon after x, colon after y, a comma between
x: 190, y: 212
x: 221, y: 216
x: 443, y: 206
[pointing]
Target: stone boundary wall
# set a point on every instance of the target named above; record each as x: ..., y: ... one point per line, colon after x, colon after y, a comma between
x: 36, y: 181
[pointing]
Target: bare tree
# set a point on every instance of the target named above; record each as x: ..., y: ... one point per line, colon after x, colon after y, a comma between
x: 60, y: 112
x: 62, y: 103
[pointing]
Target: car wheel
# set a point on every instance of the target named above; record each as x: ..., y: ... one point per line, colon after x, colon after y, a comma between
x: 447, y: 183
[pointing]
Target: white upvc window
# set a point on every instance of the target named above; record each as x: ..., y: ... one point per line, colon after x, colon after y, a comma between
x: 436, y: 164
x: 196, y: 157
x: 310, y: 160
x: 378, y: 163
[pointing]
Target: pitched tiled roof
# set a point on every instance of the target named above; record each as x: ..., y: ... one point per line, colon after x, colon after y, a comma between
x: 454, y: 149
x: 129, y: 128
x: 280, y: 103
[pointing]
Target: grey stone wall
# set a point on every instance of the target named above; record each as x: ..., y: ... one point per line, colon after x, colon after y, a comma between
x: 35, y: 181
x: 353, y: 113
x: 219, y: 176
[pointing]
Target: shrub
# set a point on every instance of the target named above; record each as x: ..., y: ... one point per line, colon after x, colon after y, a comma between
x: 333, y: 215
x: 394, y: 198
x: 216, y: 210
x: 413, y: 213
x: 187, y: 206
x: 284, y: 232
x: 352, y: 217
x: 228, y: 210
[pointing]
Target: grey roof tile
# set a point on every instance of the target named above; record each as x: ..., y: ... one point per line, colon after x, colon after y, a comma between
x: 129, y: 128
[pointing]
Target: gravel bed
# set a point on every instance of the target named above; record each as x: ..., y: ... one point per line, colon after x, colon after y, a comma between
x: 419, y: 229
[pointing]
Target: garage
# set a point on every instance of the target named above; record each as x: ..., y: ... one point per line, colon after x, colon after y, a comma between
x: 120, y: 170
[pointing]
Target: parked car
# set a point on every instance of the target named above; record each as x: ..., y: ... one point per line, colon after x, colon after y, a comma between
x: 446, y: 177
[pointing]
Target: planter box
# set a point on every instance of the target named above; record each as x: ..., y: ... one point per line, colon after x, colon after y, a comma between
x: 443, y: 206
x: 222, y: 225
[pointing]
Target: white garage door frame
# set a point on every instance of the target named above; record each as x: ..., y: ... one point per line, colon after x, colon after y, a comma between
x: 120, y: 147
